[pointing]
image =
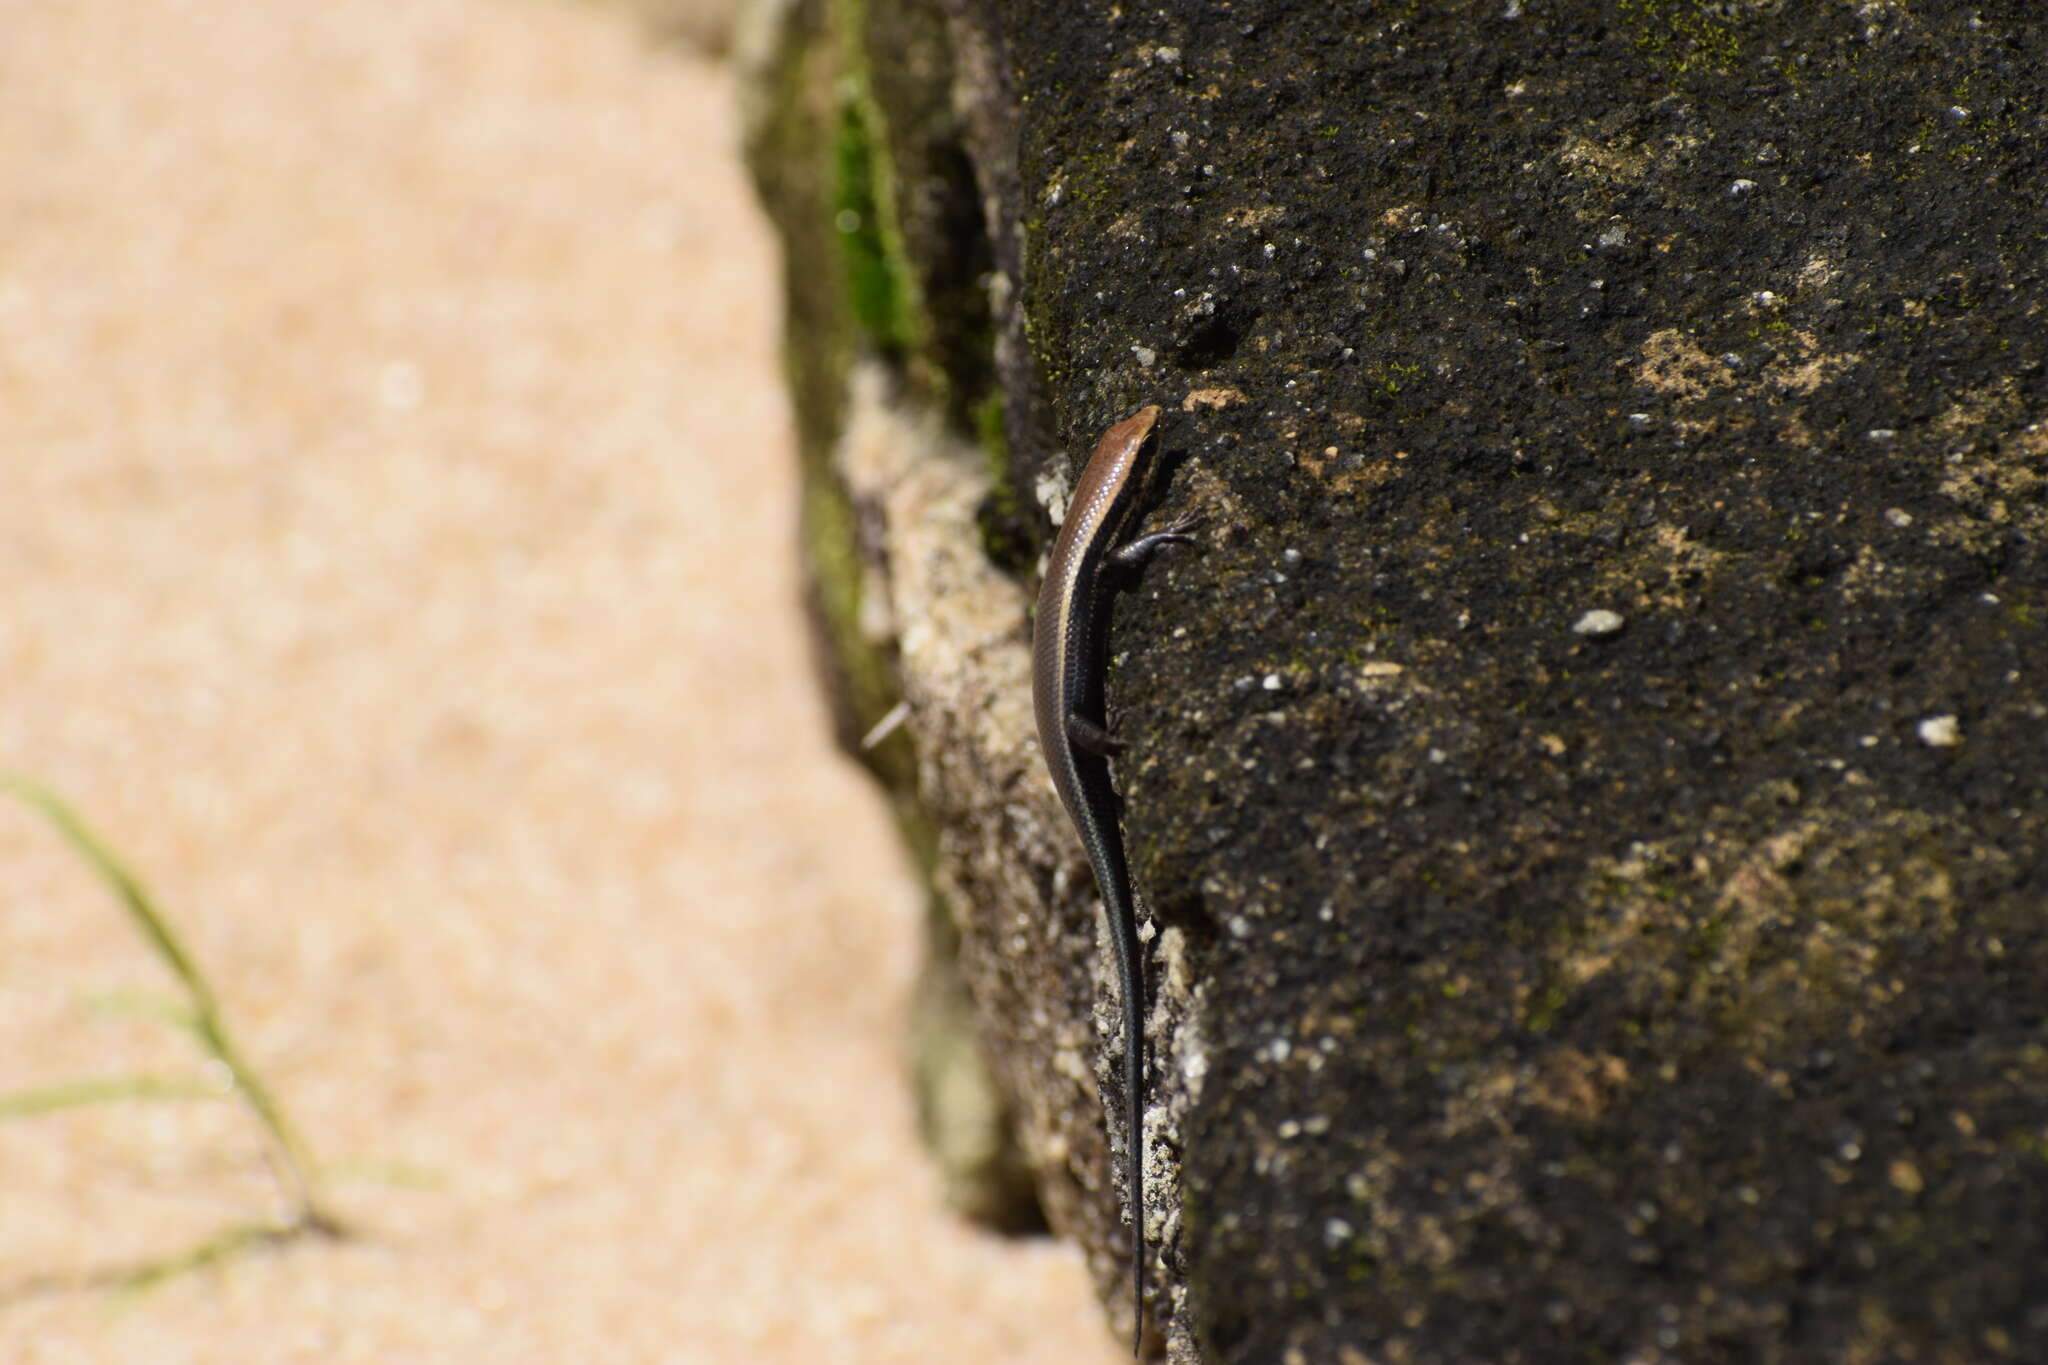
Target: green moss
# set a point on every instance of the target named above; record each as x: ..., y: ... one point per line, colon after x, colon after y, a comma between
x: 989, y: 431
x: 1387, y: 377
x: 916, y: 261
x: 1681, y: 36
x: 1005, y: 518
x: 876, y: 283
x: 2028, y: 1142
x: 828, y: 534
x: 882, y: 287
x: 1540, y: 1012
x: 864, y: 673
x: 1705, y: 945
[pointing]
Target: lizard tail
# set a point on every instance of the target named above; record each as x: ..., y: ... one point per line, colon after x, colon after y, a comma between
x: 1134, y: 1102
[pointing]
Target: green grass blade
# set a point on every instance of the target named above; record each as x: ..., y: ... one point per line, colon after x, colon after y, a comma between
x: 51, y: 1099
x: 211, y: 1028
x: 174, y: 1011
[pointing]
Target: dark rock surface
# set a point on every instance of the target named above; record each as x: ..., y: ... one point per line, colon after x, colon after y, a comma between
x: 1594, y: 783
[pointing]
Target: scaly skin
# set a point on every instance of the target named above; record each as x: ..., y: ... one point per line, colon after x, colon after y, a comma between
x: 1068, y: 659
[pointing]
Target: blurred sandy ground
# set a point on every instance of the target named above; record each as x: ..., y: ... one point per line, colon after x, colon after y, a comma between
x: 395, y: 519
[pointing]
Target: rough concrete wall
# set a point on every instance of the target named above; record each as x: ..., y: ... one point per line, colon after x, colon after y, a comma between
x: 1592, y: 786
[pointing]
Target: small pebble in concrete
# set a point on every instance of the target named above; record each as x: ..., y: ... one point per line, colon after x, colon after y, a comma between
x: 1941, y: 731
x: 1598, y: 622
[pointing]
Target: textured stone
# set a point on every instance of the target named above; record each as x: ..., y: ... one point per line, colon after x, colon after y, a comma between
x: 1641, y: 979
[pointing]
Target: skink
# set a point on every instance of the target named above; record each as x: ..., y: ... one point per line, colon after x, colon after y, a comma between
x: 1094, y: 545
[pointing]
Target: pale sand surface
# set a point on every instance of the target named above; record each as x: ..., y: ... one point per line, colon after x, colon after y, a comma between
x: 395, y: 530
